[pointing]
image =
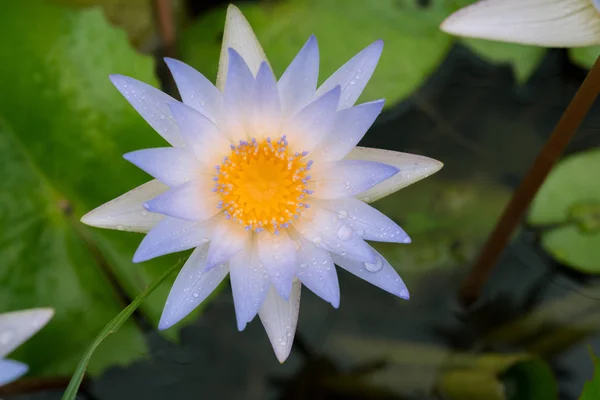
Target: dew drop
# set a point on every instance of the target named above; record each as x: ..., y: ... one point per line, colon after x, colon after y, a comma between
x: 196, y: 295
x: 374, y: 267
x: 344, y: 232
x: 343, y: 214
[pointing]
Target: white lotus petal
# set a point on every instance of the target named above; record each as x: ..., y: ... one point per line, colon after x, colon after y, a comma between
x: 349, y: 127
x: 196, y: 91
x: 354, y: 75
x: 237, y: 98
x: 18, y: 326
x: 126, y: 212
x: 412, y: 168
x: 172, y: 235
x: 152, y: 105
x: 379, y: 273
x: 551, y: 23
x: 339, y: 179
x: 201, y: 135
x: 366, y: 220
x: 226, y: 240
x: 192, y: 286
x: 316, y: 271
x: 277, y: 253
x: 279, y: 318
x: 265, y: 116
x: 170, y: 165
x: 11, y: 371
x: 328, y: 231
x: 298, y: 83
x: 249, y: 284
x: 193, y: 200
x: 314, y: 122
x: 239, y: 36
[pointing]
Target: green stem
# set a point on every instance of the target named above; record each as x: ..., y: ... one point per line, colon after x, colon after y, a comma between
x: 111, y: 327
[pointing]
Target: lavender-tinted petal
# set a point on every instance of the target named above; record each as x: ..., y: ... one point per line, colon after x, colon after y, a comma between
x: 277, y: 253
x: 152, y: 105
x: 326, y: 230
x: 317, y: 272
x: 279, y: 318
x: 192, y: 286
x: 314, y: 122
x: 196, y: 91
x: 239, y: 36
x: 379, y: 273
x: 367, y: 221
x: 236, y: 98
x: 170, y: 236
x: 201, y: 135
x: 11, y: 371
x: 249, y: 284
x: 350, y: 126
x: 193, y: 200
x: 298, y: 83
x: 227, y: 240
x: 265, y: 114
x: 354, y: 75
x: 170, y: 165
x: 346, y: 178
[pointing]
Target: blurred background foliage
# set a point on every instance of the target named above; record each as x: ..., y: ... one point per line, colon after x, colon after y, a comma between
x: 64, y: 128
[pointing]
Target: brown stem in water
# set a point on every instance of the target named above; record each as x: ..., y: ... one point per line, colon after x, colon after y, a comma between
x: 166, y: 25
x: 511, y: 217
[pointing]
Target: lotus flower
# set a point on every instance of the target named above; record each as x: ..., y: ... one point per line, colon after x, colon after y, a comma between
x: 264, y: 182
x: 15, y: 328
x: 551, y: 23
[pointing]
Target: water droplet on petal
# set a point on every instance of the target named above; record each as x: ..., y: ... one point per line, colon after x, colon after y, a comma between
x: 376, y: 267
x: 342, y: 214
x: 344, y: 232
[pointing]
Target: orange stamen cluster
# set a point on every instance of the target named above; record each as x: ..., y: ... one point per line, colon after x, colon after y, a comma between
x: 263, y: 184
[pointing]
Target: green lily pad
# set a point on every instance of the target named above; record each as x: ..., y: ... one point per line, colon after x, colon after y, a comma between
x: 414, y: 45
x: 567, y: 207
x: 591, y: 389
x: 523, y: 59
x: 63, y: 131
x: 585, y: 56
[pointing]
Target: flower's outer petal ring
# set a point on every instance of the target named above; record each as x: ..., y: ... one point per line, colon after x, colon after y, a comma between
x: 152, y: 105
x: 238, y: 35
x: 354, y: 75
x: 22, y: 325
x: 192, y: 286
x: 11, y: 371
x: 380, y: 273
x: 549, y: 23
x: 126, y: 212
x: 279, y: 318
x: 412, y: 168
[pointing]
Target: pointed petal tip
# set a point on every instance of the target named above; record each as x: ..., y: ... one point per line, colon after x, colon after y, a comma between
x: 404, y: 294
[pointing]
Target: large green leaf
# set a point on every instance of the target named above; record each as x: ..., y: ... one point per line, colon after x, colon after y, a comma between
x: 64, y: 129
x: 414, y: 45
x: 567, y: 207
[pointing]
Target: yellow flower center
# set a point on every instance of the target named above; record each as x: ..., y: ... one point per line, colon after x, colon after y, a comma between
x: 263, y: 184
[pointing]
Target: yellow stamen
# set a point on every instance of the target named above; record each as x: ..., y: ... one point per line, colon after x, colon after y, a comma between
x: 263, y: 184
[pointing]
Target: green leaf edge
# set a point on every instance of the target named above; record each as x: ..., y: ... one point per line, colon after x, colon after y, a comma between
x: 111, y: 327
